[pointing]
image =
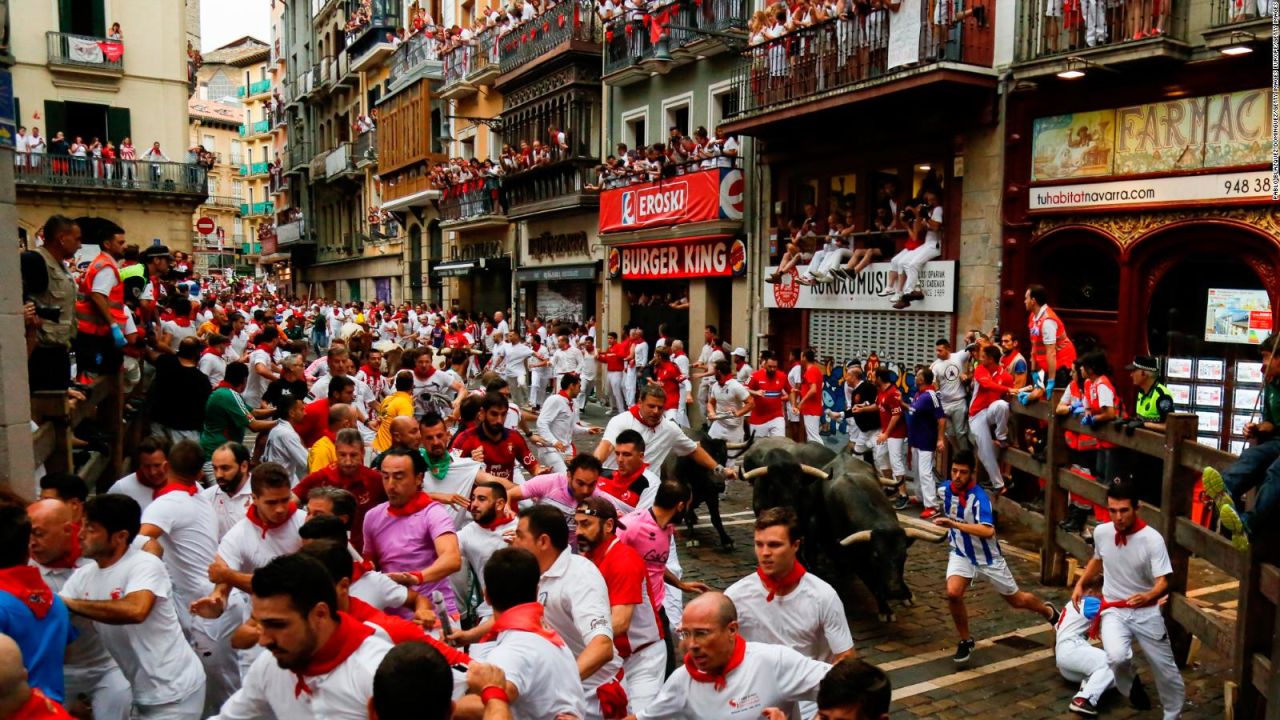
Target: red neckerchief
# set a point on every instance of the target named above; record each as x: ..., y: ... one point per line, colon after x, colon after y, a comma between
x: 962, y: 496
x: 415, y: 504
x: 430, y: 371
x: 784, y: 586
x: 1096, y: 624
x: 265, y: 348
x: 254, y: 518
x: 625, y: 482
x: 172, y: 487
x: 402, y: 630
x: 69, y: 560
x: 182, y: 321
x: 371, y: 372
x: 212, y: 351
x: 358, y: 569
x: 498, y: 521
x: 1123, y: 537
x: 225, y: 384
x: 565, y: 395
x: 39, y: 706
x: 526, y: 618
x: 635, y: 412
x: 346, y: 639
x: 718, y: 681
x: 25, y: 583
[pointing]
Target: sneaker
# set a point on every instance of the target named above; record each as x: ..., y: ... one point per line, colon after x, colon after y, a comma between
x: 901, y: 503
x: 964, y: 651
x: 1215, y: 488
x: 1082, y: 706
x: 1057, y: 614
x: 901, y: 304
x: 1231, y: 521
x: 1138, y: 697
x: 928, y: 514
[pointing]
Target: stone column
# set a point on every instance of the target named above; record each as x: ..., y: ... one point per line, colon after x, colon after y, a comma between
x: 16, y: 463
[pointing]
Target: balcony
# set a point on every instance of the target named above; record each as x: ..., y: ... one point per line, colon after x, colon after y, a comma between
x: 253, y: 169
x: 339, y: 163
x: 369, y: 24
x: 467, y: 67
x: 344, y: 74
x: 318, y: 164
x: 253, y: 89
x: 1117, y: 32
x: 256, y: 209
x: 365, y: 152
x: 551, y: 188
x: 60, y: 173
x: 413, y: 60
x: 223, y: 201
x: 278, y: 183
x: 322, y: 77
x: 297, y: 156
x: 823, y: 66
x: 251, y: 248
x: 703, y: 197
x: 1234, y: 21
x: 625, y: 51
x: 293, y: 233
x: 85, y: 55
x: 473, y: 205
x: 565, y: 28
x: 407, y: 190
x: 260, y: 127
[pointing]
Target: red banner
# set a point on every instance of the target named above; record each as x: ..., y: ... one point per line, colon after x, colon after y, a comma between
x: 714, y: 256
x: 693, y: 197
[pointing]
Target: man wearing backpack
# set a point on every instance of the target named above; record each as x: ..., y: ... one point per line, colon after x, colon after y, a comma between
x: 49, y: 296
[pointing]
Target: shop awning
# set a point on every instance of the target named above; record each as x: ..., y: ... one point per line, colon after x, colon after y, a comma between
x: 455, y: 269
x: 558, y: 272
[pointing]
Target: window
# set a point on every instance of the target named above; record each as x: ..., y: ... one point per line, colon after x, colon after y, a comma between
x: 724, y: 103
x: 237, y: 191
x: 235, y: 152
x: 468, y: 147
x: 82, y: 17
x: 221, y: 86
x: 210, y: 142
x: 675, y: 114
x: 635, y: 121
x: 678, y: 117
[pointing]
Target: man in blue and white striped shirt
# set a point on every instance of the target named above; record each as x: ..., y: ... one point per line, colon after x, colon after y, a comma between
x: 967, y: 516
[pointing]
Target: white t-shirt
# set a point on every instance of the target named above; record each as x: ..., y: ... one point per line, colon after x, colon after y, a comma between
x: 246, y: 547
x: 213, y: 366
x: 729, y: 397
x: 1048, y: 328
x: 341, y: 694
x: 284, y: 446
x: 104, y: 281
x: 946, y: 376
x: 1131, y: 568
x: 769, y: 676
x: 161, y: 667
x: 809, y: 619
x: 87, y: 653
x: 566, y: 361
x: 379, y: 590
x: 934, y: 237
x: 576, y: 599
x: 228, y: 509
x: 460, y: 479
x: 515, y: 360
x: 257, y: 384
x: 558, y: 420
x: 190, y: 541
x: 478, y: 544
x: 179, y: 332
x: 129, y: 485
x: 546, y: 676
x: 641, y: 354
x: 660, y: 440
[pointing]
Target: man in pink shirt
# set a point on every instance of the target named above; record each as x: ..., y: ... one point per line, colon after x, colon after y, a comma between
x: 411, y: 537
x: 563, y: 491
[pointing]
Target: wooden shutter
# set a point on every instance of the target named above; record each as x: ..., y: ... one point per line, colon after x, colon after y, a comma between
x: 118, y: 125
x: 55, y: 119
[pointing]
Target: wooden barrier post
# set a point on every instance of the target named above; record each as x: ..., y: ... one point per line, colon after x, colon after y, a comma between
x: 1053, y: 558
x: 1257, y: 623
x: 1177, y: 485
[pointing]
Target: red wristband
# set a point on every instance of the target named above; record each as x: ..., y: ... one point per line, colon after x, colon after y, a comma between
x: 417, y: 577
x: 493, y: 692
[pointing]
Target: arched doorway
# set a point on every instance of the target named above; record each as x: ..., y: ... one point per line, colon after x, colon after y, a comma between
x: 1081, y: 270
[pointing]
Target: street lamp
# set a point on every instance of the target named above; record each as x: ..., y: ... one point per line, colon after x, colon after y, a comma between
x: 1239, y: 44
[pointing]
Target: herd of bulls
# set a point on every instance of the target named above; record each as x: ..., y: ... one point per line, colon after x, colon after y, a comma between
x: 848, y: 523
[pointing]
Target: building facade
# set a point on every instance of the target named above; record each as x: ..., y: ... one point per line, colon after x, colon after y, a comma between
x: 215, y: 126
x: 70, y: 77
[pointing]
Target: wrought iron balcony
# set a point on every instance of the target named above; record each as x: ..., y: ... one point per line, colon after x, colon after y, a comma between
x: 339, y: 162
x: 565, y: 26
x: 85, y: 53
x: 628, y: 43
x: 1137, y: 28
x: 365, y: 151
x: 252, y: 89
x: 843, y: 56
x: 369, y: 22
x: 297, y: 156
x: 223, y: 201
x: 256, y: 128
x: 415, y: 58
x: 293, y: 233
x: 278, y: 183
x: 473, y: 204
x: 559, y: 186
x: 467, y: 67
x: 57, y: 172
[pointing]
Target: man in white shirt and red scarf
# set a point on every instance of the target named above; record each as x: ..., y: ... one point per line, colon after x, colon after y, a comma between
x: 725, y: 677
x: 661, y: 436
x: 320, y: 661
x: 559, y: 422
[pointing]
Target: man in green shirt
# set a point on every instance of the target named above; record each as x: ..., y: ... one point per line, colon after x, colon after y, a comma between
x: 1258, y: 466
x: 226, y: 417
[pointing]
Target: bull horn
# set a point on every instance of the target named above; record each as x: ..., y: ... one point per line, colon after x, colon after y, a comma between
x: 735, y: 445
x: 860, y: 536
x: 917, y: 533
x: 888, y: 482
x: 815, y: 472
x: 755, y: 473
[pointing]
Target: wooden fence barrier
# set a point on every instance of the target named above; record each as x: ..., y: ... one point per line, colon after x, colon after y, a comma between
x: 57, y: 417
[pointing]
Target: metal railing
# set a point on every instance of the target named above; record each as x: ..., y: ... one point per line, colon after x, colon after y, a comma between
x: 291, y: 232
x: 259, y: 168
x: 1087, y: 25
x: 366, y: 147
x: 143, y: 175
x: 255, y: 128
x: 258, y: 208
x: 338, y: 161
x: 624, y: 47
x: 673, y: 170
x: 84, y: 51
x: 568, y: 21
x: 1230, y: 12
x: 412, y: 55
x: 223, y: 201
x: 841, y: 53
x: 279, y: 182
x: 255, y: 88
x: 547, y: 182
x: 473, y: 199
x: 472, y: 59
x: 298, y: 154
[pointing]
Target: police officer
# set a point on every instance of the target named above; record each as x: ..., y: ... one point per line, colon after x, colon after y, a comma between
x: 49, y: 293
x: 1154, y: 401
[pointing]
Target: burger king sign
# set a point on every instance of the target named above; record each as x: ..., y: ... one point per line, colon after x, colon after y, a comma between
x: 715, y: 256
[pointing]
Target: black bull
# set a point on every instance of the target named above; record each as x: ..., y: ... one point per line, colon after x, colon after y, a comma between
x: 842, y: 510
x: 704, y: 485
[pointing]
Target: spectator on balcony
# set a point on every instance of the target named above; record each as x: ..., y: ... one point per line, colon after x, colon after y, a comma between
x: 79, y: 157
x: 115, y: 34
x: 154, y: 155
x: 559, y: 143
x: 108, y: 153
x: 128, y: 168
x: 20, y: 150
x: 36, y: 146
x: 59, y: 149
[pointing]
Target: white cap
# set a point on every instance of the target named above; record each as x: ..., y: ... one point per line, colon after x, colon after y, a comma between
x: 740, y: 352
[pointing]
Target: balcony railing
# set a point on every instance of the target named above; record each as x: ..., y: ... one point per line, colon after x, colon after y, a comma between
x: 1230, y: 12
x: 843, y: 54
x: 260, y: 168
x: 251, y: 248
x: 291, y: 233
x: 475, y: 199
x: 1089, y: 25
x: 415, y: 54
x: 258, y: 208
x: 298, y: 155
x: 338, y: 161
x: 566, y: 22
x: 473, y: 62
x: 223, y: 201
x: 624, y: 48
x: 85, y: 52
x: 53, y: 171
x: 366, y: 148
x: 256, y: 88
x: 369, y: 23
x: 255, y: 128
x: 278, y: 183
x: 550, y: 187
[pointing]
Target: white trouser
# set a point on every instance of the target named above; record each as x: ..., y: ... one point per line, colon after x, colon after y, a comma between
x: 812, y: 428
x: 815, y: 262
x: 835, y: 259
x: 926, y: 484
x: 908, y: 263
x: 643, y: 675
x: 682, y: 414
x: 538, y: 388
x: 895, y: 449
x: 108, y: 693
x: 1120, y: 627
x: 861, y: 440
x: 719, y: 432
x: 211, y: 639
x: 958, y: 423
x: 588, y: 387
x: 552, y: 459
x: 672, y: 600
x: 617, y: 391
x: 772, y: 428
x: 188, y: 708
x: 1078, y: 661
x: 995, y: 415
x: 1095, y: 22
x: 519, y: 390
x: 629, y: 386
